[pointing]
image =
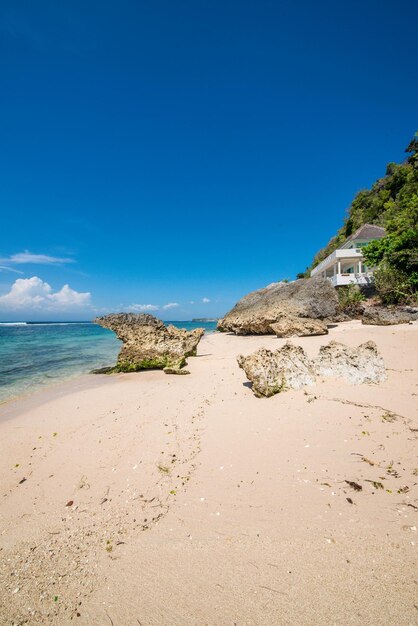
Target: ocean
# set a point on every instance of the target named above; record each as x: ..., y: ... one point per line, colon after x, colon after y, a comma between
x: 33, y: 355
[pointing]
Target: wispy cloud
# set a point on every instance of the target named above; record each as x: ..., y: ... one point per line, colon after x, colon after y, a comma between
x: 27, y: 257
x: 205, y: 300
x: 141, y: 308
x: 4, y: 268
x: 35, y: 294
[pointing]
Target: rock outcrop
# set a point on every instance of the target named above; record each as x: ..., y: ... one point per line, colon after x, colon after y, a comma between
x: 386, y: 316
x: 149, y: 344
x: 254, y: 314
x: 272, y: 372
x: 289, y: 367
x: 356, y: 365
x: 299, y: 327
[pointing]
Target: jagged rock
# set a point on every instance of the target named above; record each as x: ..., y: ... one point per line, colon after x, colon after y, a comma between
x: 255, y: 313
x: 385, y: 316
x: 290, y: 368
x: 103, y: 370
x: 352, y: 311
x: 175, y: 370
x: 356, y: 365
x: 149, y: 344
x: 273, y: 372
x: 299, y: 327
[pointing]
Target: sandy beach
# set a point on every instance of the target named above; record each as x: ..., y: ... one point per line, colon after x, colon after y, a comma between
x: 177, y: 500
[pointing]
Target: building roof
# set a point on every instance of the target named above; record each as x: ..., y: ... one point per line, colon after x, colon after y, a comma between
x: 367, y: 231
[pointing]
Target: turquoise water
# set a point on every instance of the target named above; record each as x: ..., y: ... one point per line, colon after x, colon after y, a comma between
x: 34, y: 355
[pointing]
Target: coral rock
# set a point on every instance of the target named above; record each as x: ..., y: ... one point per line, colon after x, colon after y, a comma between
x: 356, y: 365
x: 273, y: 372
x: 290, y: 368
x: 385, y: 316
x: 149, y: 344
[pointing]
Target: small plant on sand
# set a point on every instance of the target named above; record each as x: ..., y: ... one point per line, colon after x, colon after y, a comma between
x: 109, y: 546
x: 389, y: 417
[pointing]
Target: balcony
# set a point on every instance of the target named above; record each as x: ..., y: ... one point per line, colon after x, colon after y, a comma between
x: 339, y: 280
x: 334, y: 257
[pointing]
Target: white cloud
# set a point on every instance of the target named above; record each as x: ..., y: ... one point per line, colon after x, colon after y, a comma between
x: 35, y: 294
x: 39, y: 259
x: 205, y: 300
x: 142, y: 307
x: 69, y: 297
x: 171, y: 305
x: 4, y: 268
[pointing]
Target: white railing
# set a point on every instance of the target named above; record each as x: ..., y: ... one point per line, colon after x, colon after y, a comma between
x: 364, y: 278
x: 340, y: 253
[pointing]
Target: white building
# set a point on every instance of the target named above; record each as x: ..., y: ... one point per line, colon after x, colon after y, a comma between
x: 345, y: 266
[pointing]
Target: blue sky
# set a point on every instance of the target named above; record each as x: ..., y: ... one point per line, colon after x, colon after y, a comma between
x: 185, y: 153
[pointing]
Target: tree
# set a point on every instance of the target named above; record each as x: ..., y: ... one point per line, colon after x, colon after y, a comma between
x: 392, y: 202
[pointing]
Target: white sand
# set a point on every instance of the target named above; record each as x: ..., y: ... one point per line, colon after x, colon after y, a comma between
x: 196, y: 503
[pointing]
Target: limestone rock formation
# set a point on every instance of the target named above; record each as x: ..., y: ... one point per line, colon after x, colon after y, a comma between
x: 149, y: 344
x: 356, y: 365
x: 290, y: 368
x: 385, y: 316
x: 255, y: 313
x: 272, y: 372
x: 290, y: 326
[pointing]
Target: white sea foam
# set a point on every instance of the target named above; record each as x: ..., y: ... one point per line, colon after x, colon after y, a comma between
x: 42, y: 323
x: 56, y: 323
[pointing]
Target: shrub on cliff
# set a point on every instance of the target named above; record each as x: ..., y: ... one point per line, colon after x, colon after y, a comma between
x: 392, y: 202
x: 395, y: 257
x: 350, y: 298
x: 393, y: 285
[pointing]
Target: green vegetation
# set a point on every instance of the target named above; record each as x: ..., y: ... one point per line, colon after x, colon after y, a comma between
x: 149, y: 364
x: 393, y: 285
x: 350, y: 298
x: 392, y: 202
x: 396, y: 258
